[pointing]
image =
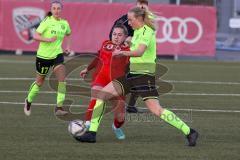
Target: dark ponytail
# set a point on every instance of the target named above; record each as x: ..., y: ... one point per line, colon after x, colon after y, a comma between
x: 49, y: 14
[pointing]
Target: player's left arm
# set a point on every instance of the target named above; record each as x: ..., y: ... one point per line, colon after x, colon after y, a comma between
x: 143, y: 44
x: 68, y: 44
x: 135, y: 53
x: 68, y: 39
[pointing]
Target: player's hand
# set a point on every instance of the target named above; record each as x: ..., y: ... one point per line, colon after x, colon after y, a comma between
x: 118, y: 53
x: 53, y: 39
x: 128, y: 40
x: 67, y: 51
x: 83, y: 73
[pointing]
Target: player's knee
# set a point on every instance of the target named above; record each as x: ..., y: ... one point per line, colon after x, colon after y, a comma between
x: 101, y: 96
x: 39, y: 82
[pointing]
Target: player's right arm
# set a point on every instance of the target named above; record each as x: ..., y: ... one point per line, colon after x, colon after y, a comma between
x: 38, y: 37
x: 40, y: 30
x: 91, y: 66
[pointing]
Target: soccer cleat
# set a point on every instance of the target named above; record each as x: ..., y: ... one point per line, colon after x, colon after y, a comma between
x: 192, y: 137
x: 118, y: 132
x: 131, y: 109
x: 89, y: 137
x: 59, y: 111
x: 27, y: 108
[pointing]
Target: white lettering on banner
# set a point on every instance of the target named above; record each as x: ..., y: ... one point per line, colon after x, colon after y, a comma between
x: 182, y: 30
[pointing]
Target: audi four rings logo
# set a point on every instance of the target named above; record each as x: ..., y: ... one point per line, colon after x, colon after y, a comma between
x: 182, y: 30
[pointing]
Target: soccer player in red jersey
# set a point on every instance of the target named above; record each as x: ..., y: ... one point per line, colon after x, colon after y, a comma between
x: 108, y: 68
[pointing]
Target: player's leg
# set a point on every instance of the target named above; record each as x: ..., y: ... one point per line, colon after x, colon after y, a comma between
x: 172, y: 119
x: 100, y: 80
x: 147, y: 90
x: 33, y: 92
x: 88, y: 115
x: 131, y: 106
x: 113, y: 89
x: 42, y: 68
x: 119, y: 117
x: 60, y: 73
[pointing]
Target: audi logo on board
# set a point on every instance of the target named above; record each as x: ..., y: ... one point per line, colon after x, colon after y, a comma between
x: 183, y: 27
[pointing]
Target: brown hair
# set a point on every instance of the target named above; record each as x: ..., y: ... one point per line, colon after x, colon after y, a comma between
x: 142, y: 2
x: 49, y: 14
x: 139, y: 12
x: 125, y: 31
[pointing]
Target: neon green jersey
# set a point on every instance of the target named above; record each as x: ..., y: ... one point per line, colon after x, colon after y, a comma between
x: 146, y: 63
x: 48, y: 28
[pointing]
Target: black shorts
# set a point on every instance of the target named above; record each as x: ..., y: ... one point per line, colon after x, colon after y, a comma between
x: 140, y: 84
x: 43, y: 65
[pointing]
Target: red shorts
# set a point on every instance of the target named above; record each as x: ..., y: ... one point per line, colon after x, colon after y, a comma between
x: 102, y: 77
x: 105, y: 76
x: 101, y: 80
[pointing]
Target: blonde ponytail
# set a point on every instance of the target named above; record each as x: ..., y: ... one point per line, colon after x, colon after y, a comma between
x: 148, y: 21
x: 139, y: 12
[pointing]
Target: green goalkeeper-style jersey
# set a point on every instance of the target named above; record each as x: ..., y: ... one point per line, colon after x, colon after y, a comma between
x: 48, y: 28
x: 145, y: 64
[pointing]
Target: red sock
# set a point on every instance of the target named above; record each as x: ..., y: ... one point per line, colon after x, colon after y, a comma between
x: 118, y: 124
x: 88, y: 114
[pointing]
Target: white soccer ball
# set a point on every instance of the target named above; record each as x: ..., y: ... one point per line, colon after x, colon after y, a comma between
x: 76, y: 128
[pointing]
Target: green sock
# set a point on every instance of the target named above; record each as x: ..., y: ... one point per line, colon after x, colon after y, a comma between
x: 97, y: 115
x: 61, y: 93
x: 33, y: 92
x: 175, y: 121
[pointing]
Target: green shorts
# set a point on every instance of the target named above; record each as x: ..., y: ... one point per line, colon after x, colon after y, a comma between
x: 140, y: 84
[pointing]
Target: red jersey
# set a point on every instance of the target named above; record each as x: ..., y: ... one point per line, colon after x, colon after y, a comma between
x: 109, y: 67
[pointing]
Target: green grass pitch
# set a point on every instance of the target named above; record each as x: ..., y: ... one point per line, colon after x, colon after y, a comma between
x: 201, y: 87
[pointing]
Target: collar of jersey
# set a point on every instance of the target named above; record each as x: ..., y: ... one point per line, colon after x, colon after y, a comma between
x: 139, y: 29
x: 55, y: 19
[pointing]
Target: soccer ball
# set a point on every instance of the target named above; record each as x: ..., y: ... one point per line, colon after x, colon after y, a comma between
x: 76, y: 128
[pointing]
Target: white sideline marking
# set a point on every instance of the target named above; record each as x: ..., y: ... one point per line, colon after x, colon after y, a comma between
x: 170, y: 81
x: 37, y: 104
x: 176, y: 94
x: 174, y: 109
x: 203, y: 82
x: 204, y: 94
x: 32, y: 79
x: 201, y: 110
x: 16, y: 61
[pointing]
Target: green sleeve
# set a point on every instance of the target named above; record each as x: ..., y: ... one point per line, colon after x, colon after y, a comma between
x: 146, y: 37
x: 42, y: 27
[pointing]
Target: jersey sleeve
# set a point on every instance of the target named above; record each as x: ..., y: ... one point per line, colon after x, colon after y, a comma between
x: 93, y: 64
x: 97, y: 60
x: 146, y: 36
x: 68, y: 32
x: 42, y: 27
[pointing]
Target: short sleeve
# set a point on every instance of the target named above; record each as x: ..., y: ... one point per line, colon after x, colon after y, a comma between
x: 68, y: 31
x: 146, y: 36
x: 42, y: 27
